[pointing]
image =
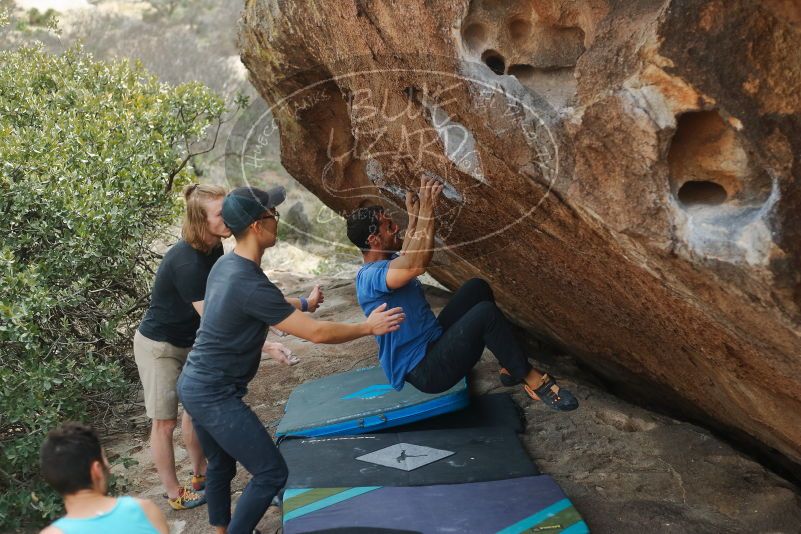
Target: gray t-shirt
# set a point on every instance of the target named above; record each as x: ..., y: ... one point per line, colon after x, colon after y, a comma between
x: 180, y: 281
x: 240, y: 304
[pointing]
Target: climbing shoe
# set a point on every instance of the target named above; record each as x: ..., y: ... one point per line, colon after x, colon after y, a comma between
x: 187, y: 499
x: 198, y: 482
x: 552, y: 395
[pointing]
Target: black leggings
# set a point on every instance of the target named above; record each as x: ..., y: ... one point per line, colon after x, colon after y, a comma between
x: 471, y: 321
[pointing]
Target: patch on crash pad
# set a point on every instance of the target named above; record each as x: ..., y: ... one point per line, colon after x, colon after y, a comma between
x: 370, y: 392
x: 405, y: 456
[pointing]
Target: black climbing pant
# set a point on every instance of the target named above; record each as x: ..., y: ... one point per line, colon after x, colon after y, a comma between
x: 471, y: 321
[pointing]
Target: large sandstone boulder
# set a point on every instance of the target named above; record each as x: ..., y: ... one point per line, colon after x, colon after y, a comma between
x: 626, y: 174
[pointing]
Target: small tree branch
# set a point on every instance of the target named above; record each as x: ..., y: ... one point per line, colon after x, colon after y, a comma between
x: 190, y: 155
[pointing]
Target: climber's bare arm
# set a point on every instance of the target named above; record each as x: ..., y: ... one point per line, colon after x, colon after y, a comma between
x: 420, y: 249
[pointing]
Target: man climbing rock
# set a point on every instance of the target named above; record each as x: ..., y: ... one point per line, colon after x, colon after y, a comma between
x: 241, y: 303
x: 434, y: 353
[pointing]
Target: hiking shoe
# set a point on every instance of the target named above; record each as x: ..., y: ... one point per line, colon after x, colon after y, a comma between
x: 187, y: 499
x: 198, y: 482
x: 552, y: 395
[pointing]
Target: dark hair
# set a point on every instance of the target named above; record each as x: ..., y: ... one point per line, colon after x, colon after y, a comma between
x: 67, y: 456
x: 363, y: 223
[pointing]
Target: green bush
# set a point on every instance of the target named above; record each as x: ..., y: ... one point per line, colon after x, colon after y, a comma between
x: 39, y: 18
x: 90, y: 157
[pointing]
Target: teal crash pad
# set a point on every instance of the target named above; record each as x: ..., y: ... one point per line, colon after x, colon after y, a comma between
x: 360, y: 401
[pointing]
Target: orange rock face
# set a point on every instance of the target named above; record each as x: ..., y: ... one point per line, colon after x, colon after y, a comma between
x: 627, y: 175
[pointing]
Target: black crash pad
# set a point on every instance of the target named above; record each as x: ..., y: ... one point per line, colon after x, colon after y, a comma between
x: 452, y: 456
x: 494, y: 410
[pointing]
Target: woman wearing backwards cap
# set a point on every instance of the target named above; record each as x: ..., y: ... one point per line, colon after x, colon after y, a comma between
x: 240, y: 304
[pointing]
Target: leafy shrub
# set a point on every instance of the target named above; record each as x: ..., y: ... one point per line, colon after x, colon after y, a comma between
x: 7, y: 6
x: 91, y: 153
x: 39, y: 18
x: 188, y: 41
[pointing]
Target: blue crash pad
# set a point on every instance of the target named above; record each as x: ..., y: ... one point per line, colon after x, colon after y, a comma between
x: 527, y: 504
x: 361, y: 401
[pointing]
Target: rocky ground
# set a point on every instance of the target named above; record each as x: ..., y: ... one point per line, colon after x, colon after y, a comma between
x: 625, y: 468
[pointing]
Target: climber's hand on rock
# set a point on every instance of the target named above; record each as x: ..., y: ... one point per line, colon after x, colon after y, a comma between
x: 412, y: 203
x: 436, y: 192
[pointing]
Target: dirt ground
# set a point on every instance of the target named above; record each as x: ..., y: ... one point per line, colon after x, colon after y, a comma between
x: 625, y: 468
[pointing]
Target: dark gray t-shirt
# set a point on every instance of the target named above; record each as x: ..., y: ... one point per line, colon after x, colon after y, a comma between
x: 240, y: 304
x: 180, y: 281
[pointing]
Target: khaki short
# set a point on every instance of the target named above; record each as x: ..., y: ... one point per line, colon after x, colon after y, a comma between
x: 159, y: 365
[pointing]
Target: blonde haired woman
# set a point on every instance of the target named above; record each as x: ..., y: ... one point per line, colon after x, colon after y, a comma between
x: 167, y: 333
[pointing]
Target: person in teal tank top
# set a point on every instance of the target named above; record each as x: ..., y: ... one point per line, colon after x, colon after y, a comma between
x: 74, y: 464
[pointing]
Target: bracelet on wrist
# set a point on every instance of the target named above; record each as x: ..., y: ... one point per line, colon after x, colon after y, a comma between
x: 304, y: 304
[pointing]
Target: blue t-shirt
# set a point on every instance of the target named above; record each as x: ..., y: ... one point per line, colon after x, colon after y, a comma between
x: 399, y: 351
x: 240, y: 304
x: 127, y: 517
